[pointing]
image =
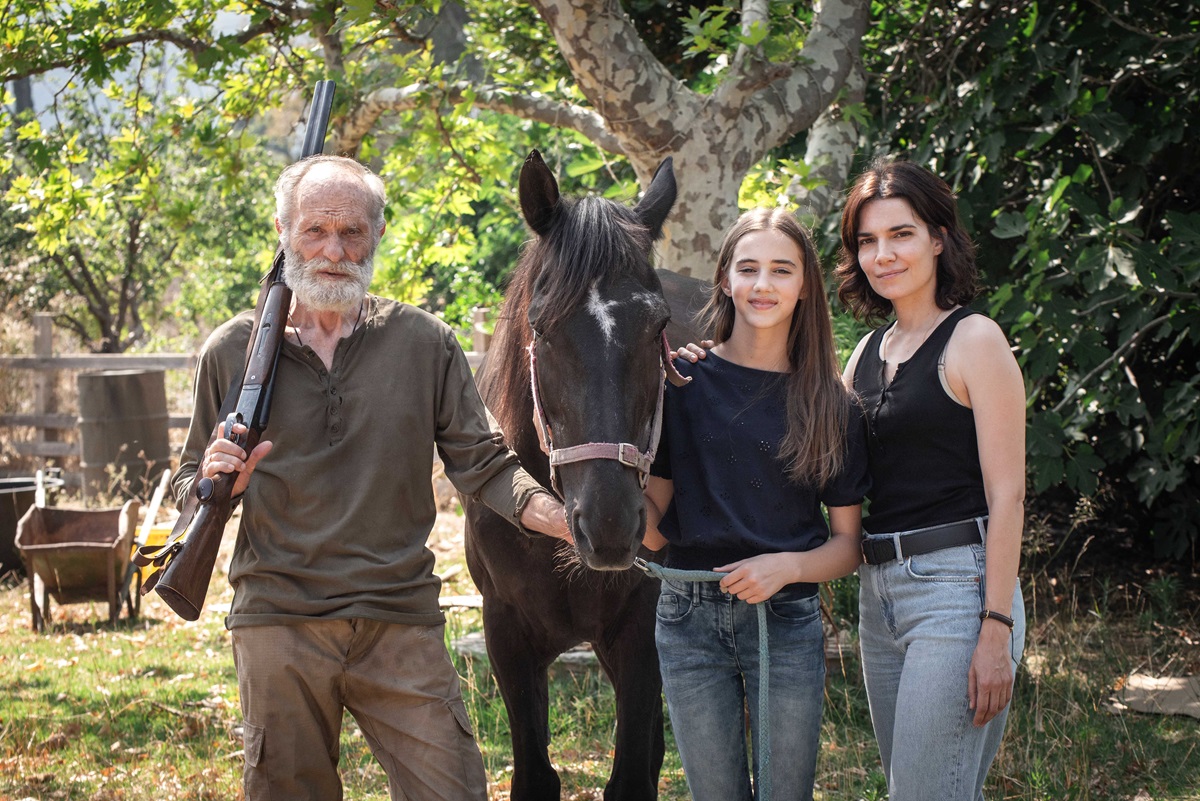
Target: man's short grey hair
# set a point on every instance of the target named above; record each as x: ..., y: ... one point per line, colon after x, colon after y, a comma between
x: 290, y: 178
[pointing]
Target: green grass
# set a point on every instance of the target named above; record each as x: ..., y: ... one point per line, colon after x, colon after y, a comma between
x: 149, y: 709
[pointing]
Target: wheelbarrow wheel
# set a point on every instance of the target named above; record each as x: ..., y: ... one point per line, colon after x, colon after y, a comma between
x: 39, y: 607
x: 133, y: 594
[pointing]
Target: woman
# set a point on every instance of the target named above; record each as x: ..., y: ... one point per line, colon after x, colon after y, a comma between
x: 941, y: 618
x: 763, y: 436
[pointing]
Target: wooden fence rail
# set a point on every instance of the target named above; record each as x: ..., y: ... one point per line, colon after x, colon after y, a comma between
x: 46, y: 419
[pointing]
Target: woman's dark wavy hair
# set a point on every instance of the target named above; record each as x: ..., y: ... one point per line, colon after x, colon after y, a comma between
x: 934, y: 204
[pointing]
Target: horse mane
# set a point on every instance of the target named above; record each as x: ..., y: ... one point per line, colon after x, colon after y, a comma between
x: 590, y: 239
x: 506, y: 391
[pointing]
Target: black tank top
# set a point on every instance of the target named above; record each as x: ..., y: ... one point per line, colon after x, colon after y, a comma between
x: 923, y: 454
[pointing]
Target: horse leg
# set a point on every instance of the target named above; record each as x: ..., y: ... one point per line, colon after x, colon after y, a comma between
x: 630, y: 659
x: 522, y: 675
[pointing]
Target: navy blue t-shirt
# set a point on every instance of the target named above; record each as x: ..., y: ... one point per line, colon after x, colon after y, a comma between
x: 733, y: 498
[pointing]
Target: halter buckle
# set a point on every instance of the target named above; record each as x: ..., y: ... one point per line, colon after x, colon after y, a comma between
x: 629, y: 455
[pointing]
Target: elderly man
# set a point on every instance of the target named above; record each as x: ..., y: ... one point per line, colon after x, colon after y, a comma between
x: 335, y: 600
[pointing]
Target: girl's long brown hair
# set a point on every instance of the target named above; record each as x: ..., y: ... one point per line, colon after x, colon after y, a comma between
x: 818, y: 405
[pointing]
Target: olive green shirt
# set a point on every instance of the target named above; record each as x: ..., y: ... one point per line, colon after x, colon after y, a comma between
x: 336, y: 517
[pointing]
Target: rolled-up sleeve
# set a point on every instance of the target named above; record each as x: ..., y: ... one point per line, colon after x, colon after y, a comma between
x: 478, y: 462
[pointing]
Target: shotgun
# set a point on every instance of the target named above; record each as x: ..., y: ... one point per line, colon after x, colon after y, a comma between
x: 190, y: 552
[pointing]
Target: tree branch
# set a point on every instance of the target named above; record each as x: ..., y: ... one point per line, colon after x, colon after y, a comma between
x: 97, y: 299
x: 830, y: 149
x: 1072, y: 389
x: 132, y: 249
x: 1154, y: 36
x: 830, y: 53
x: 538, y: 108
x: 448, y: 141
x: 331, y: 43
x: 399, y: 32
x: 621, y: 78
x: 752, y: 11
x: 69, y: 322
x: 89, y: 298
x: 172, y: 36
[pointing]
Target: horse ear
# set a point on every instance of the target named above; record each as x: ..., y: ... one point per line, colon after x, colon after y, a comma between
x: 659, y: 198
x: 538, y: 192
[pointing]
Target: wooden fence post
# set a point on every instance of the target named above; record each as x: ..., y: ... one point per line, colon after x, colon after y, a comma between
x: 45, y: 382
x: 479, y: 337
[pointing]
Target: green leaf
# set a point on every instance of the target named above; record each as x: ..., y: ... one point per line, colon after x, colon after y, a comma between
x: 1082, y: 470
x: 757, y: 33
x: 1010, y: 225
x: 584, y: 166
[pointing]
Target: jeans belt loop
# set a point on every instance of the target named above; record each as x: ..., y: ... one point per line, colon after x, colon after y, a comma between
x: 981, y: 522
x: 896, y: 545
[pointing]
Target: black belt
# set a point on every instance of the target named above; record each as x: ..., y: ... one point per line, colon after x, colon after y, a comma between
x: 878, y: 550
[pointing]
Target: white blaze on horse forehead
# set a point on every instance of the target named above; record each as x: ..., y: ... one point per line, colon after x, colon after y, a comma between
x: 602, y: 310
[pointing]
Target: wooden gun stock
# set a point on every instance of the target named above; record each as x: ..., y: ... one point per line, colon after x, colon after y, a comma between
x: 183, y: 583
x: 190, y: 554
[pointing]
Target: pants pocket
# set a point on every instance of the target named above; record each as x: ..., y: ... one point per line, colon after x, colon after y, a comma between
x: 674, y: 604
x: 792, y: 608
x: 253, y: 738
x: 962, y: 564
x: 254, y: 775
x: 459, y: 709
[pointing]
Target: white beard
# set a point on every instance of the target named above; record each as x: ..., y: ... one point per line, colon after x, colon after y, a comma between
x: 320, y: 294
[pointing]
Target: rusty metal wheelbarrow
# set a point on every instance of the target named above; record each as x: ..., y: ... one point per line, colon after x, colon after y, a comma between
x: 77, y: 555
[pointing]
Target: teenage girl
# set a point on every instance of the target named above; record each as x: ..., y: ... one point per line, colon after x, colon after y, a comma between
x: 763, y: 436
x: 941, y: 620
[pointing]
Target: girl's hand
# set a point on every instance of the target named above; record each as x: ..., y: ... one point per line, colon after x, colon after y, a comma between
x: 756, y: 579
x: 693, y: 352
x: 990, y: 681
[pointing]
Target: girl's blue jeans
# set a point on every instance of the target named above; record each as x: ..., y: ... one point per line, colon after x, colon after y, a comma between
x: 708, y: 655
x: 918, y: 628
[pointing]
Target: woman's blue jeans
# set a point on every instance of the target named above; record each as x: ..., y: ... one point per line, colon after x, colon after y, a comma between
x: 918, y: 628
x: 708, y: 654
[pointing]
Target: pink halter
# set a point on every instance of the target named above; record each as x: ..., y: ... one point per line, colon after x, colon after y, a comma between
x: 626, y: 453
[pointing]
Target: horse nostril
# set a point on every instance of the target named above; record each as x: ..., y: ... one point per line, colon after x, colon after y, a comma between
x: 582, y: 541
x: 608, y: 537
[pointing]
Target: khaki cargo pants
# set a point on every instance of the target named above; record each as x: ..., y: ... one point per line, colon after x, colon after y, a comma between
x: 397, y: 681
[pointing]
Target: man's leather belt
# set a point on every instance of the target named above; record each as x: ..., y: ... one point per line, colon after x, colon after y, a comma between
x: 878, y: 550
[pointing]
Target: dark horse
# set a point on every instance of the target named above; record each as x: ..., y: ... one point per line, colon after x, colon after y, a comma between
x: 585, y: 305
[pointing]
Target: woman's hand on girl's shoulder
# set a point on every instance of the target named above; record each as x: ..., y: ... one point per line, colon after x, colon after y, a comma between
x: 692, y: 352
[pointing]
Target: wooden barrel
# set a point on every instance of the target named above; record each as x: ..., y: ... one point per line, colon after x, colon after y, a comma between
x: 122, y: 432
x: 16, y: 496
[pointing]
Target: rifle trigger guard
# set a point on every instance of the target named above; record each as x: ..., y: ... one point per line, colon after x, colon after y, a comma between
x: 237, y: 439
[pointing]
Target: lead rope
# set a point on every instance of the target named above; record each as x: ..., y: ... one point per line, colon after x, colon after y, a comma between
x: 763, y: 746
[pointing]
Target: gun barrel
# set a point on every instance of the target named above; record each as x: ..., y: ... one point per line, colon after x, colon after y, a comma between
x: 318, y: 119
